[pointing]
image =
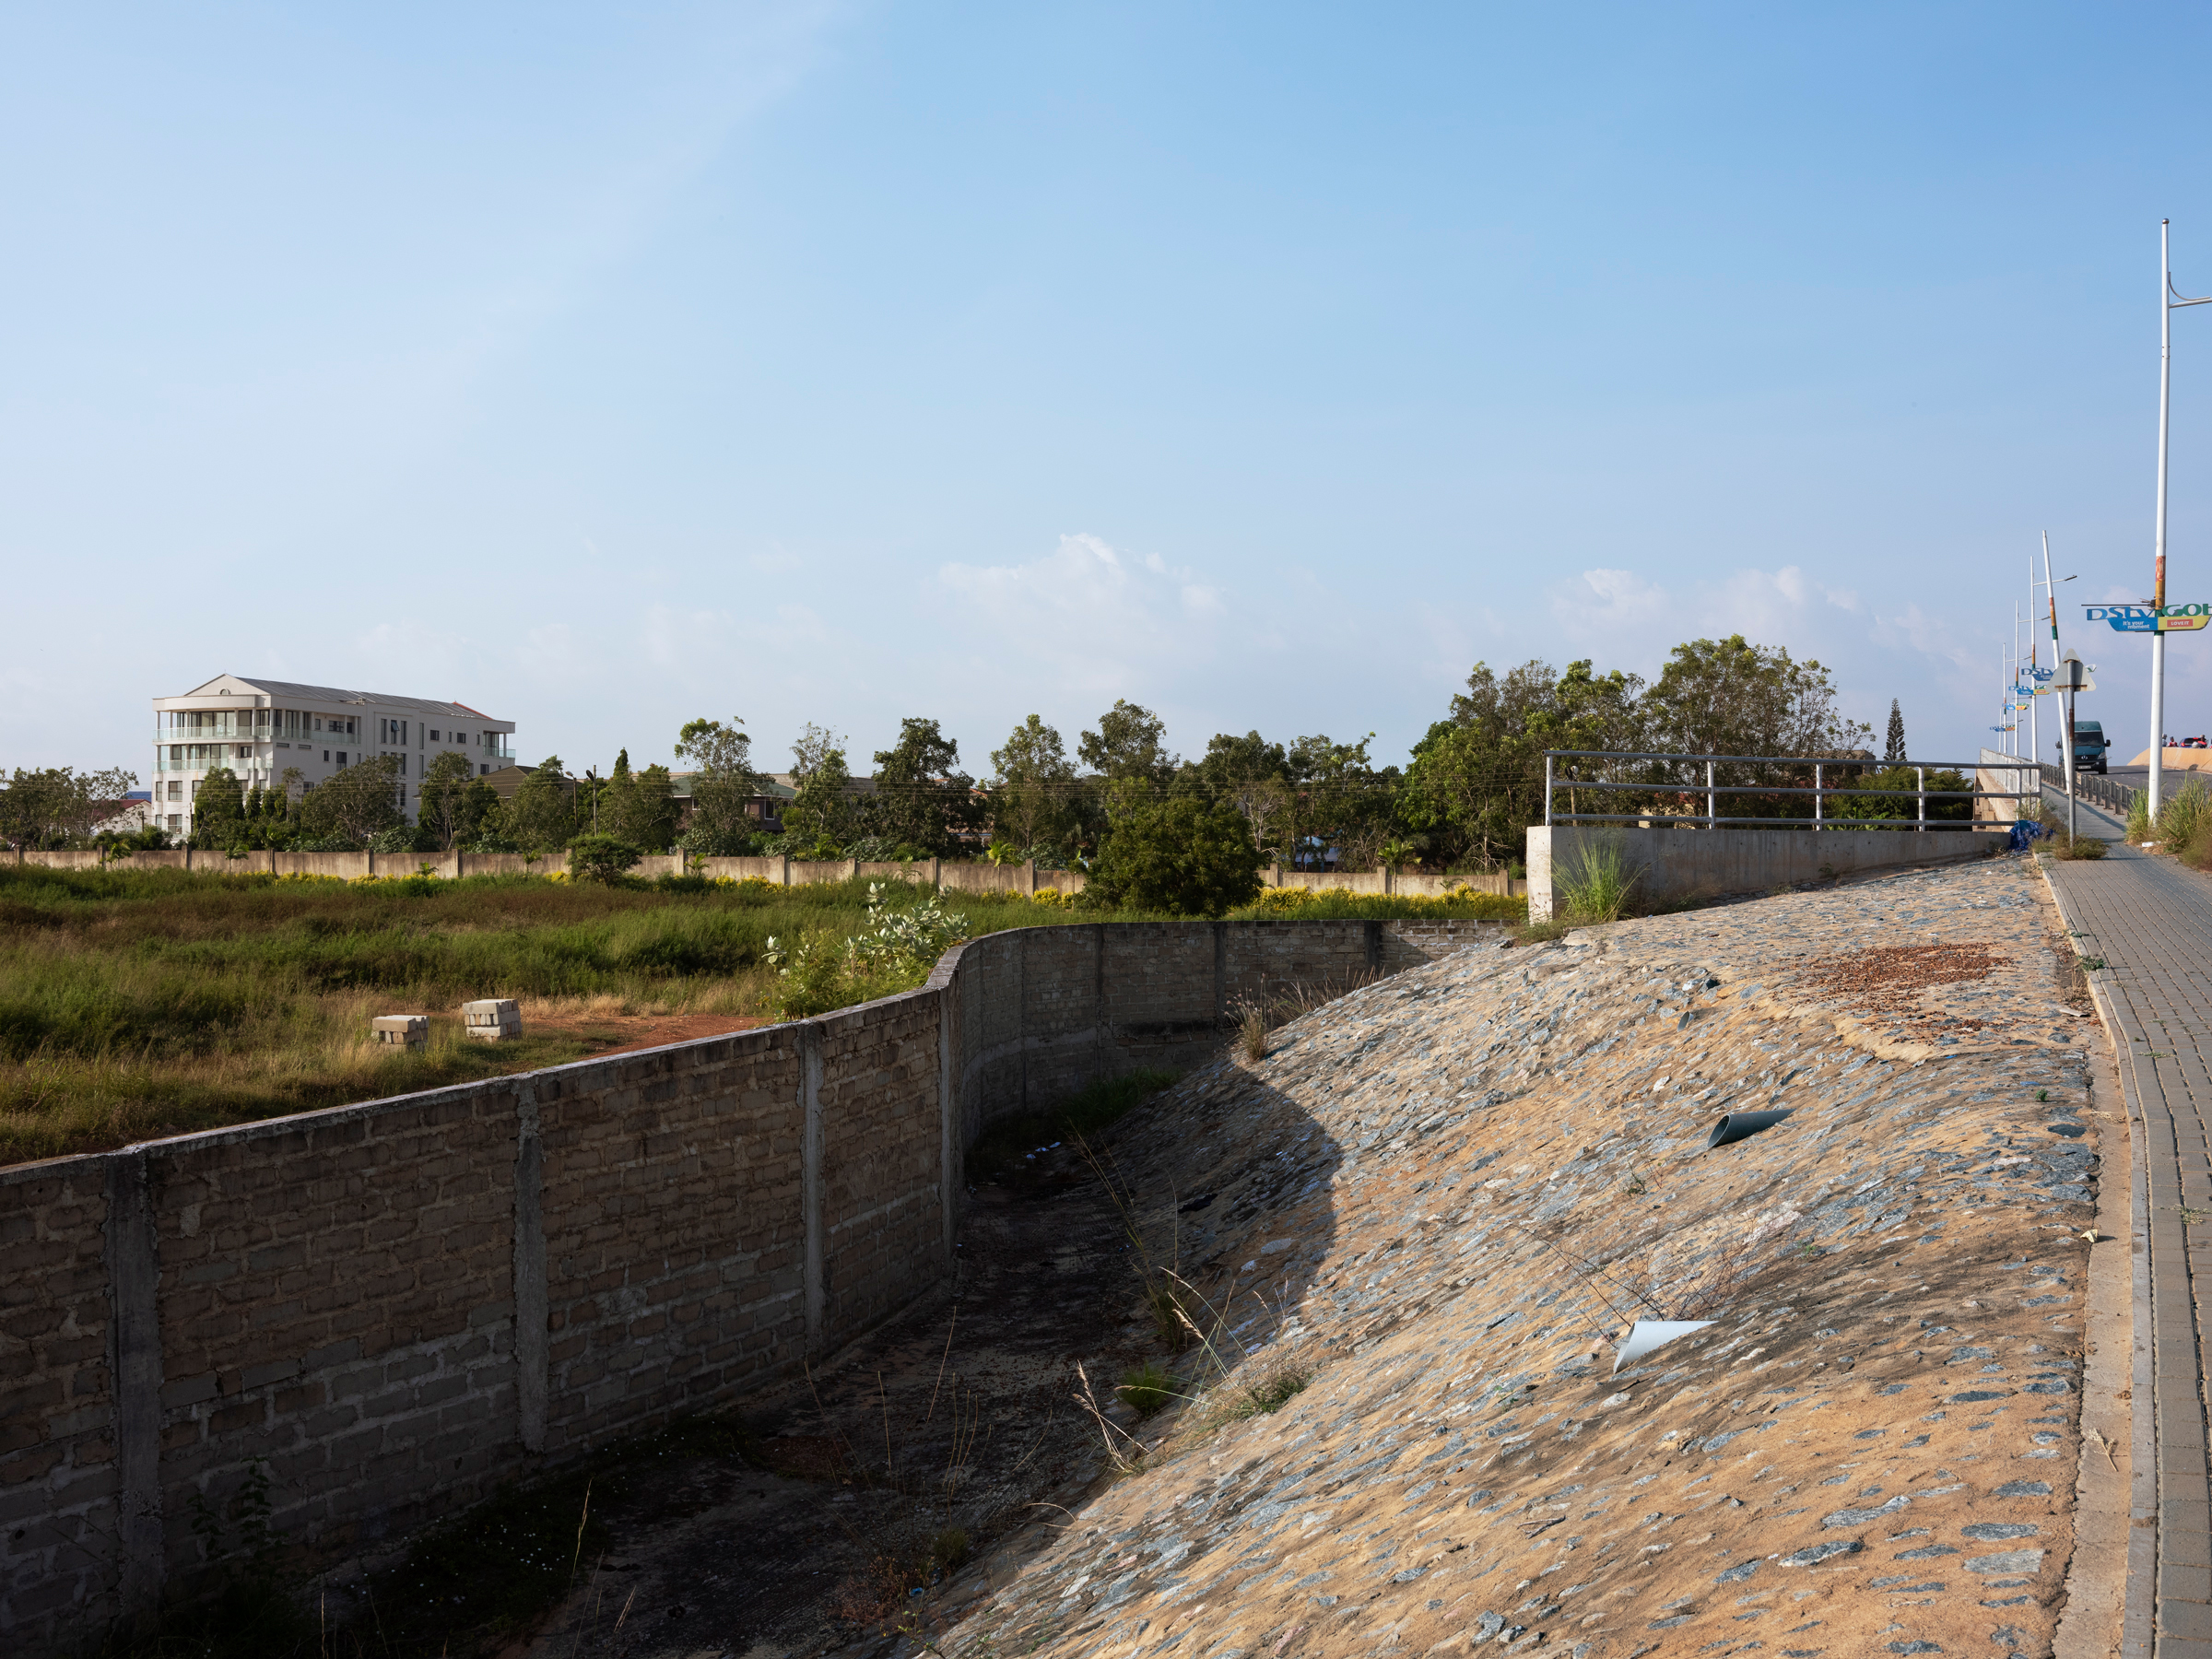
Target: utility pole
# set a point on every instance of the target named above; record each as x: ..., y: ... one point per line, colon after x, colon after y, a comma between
x: 2060, y: 676
x: 2035, y: 657
x: 2169, y: 302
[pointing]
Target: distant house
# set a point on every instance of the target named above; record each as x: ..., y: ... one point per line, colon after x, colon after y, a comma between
x: 507, y: 780
x: 766, y: 807
x: 260, y: 729
x: 127, y: 817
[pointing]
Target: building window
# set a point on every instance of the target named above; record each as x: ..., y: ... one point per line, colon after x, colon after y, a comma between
x: 341, y: 756
x: 176, y: 820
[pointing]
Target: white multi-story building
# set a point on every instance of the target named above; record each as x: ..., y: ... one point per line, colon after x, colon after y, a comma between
x: 260, y: 729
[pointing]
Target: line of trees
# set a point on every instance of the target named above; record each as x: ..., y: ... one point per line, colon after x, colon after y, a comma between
x: 1148, y: 824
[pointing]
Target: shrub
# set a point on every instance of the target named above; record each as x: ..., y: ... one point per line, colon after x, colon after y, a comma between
x: 601, y: 858
x: 900, y: 946
x: 1183, y: 857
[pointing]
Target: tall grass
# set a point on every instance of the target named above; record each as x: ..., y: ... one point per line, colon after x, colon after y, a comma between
x: 1331, y: 904
x: 1594, y: 880
x: 141, y: 1002
x: 2184, y: 816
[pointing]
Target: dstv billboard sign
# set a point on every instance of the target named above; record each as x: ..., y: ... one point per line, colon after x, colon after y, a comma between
x: 2143, y: 619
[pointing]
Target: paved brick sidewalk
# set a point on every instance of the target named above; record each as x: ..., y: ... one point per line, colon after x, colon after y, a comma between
x: 2149, y: 919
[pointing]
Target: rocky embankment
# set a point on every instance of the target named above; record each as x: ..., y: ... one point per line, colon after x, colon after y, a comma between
x: 1440, y: 1202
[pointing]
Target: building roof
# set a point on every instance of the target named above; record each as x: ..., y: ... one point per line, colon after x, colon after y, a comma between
x: 338, y: 694
x: 679, y: 783
x: 507, y: 780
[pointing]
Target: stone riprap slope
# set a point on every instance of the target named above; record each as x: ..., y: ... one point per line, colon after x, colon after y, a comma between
x: 1446, y: 1197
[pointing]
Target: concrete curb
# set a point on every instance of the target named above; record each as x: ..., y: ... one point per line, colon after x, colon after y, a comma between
x: 2140, y: 1604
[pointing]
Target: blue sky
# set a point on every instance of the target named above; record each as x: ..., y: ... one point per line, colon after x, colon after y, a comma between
x: 605, y: 367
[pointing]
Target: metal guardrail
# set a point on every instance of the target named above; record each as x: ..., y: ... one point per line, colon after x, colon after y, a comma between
x: 1819, y: 789
x: 2117, y: 798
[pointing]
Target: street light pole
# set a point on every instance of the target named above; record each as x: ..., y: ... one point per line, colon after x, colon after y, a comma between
x: 2169, y: 302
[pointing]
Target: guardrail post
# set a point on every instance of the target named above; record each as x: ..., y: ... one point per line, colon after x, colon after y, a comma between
x: 1548, y: 789
x: 1921, y: 795
x: 1710, y: 812
x: 1818, y: 815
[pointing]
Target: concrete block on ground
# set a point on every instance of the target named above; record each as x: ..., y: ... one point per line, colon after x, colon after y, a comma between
x: 494, y: 1019
x: 407, y: 1031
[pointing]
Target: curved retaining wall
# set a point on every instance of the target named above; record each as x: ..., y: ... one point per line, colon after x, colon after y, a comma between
x: 399, y: 1304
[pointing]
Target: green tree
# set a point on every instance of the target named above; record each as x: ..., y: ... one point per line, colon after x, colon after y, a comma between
x: 1339, y: 798
x: 811, y: 748
x: 1893, y: 753
x: 1183, y: 855
x: 1250, y: 773
x: 824, y: 813
x: 1728, y: 697
x: 1127, y: 745
x: 1477, y: 779
x: 721, y: 789
x: 922, y: 800
x: 444, y: 800
x: 49, y: 806
x: 542, y: 816
x: 639, y: 807
x: 359, y: 802
x: 1031, y: 783
x: 218, y: 810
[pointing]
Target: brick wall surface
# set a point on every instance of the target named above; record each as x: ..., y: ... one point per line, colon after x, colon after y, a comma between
x: 392, y: 1307
x: 674, y: 1239
x: 882, y: 1234
x: 57, y: 1455
x: 335, y: 1298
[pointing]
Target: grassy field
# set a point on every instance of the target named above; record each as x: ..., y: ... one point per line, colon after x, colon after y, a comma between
x: 136, y: 1004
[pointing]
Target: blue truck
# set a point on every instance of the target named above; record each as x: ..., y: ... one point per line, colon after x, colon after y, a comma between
x: 2090, y: 744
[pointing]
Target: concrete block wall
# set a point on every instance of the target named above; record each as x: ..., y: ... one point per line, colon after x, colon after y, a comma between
x: 60, y: 1486
x: 669, y: 1259
x: 1688, y: 860
x: 397, y: 1305
x: 335, y: 1297
x: 945, y: 876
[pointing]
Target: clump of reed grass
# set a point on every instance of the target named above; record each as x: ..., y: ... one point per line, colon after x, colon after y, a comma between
x: 1146, y: 1388
x: 2184, y: 816
x: 1252, y: 1032
x: 1592, y: 882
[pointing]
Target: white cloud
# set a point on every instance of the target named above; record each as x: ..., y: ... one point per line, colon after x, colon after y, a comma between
x: 1117, y: 612
x: 1621, y: 596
